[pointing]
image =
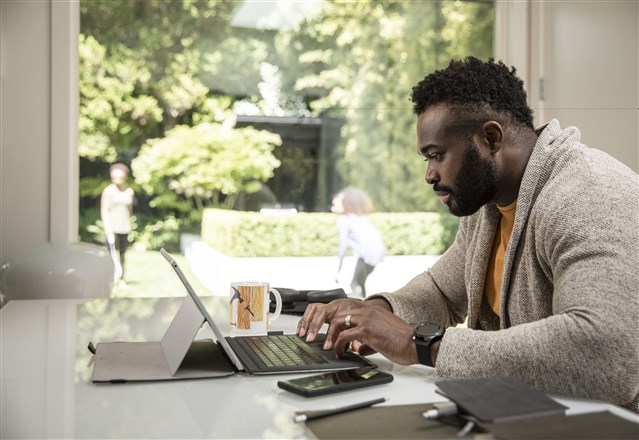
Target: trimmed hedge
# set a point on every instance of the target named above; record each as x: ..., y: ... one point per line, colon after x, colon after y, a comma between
x: 251, y: 234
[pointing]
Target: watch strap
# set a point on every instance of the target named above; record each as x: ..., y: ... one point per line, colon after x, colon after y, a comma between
x: 424, y: 344
x: 423, y: 351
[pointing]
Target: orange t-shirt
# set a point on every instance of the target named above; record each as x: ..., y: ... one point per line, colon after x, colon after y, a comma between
x: 495, y: 272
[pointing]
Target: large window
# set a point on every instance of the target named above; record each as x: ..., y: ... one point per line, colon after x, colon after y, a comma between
x: 314, y: 95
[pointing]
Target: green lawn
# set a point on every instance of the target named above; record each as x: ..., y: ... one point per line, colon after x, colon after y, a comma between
x: 148, y: 275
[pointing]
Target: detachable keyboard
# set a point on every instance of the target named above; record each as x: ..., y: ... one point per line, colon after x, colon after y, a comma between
x: 283, y: 350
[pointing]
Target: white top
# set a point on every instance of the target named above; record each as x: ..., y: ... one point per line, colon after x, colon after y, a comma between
x: 118, y: 208
x: 364, y: 239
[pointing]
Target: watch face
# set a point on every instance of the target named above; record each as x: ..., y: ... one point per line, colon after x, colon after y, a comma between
x: 428, y: 329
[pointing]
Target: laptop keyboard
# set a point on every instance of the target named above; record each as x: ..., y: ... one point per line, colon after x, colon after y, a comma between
x: 283, y: 351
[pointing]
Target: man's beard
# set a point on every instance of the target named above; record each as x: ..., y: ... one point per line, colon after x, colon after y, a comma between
x: 475, y: 184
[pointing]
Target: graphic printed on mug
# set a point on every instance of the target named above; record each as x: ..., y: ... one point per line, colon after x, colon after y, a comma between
x: 250, y: 305
x: 249, y: 308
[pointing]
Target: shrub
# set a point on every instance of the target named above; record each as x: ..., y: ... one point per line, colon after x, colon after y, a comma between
x: 251, y: 234
x: 156, y: 234
x: 90, y: 226
x: 149, y: 232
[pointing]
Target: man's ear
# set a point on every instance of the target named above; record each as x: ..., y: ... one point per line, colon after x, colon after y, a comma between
x: 493, y: 134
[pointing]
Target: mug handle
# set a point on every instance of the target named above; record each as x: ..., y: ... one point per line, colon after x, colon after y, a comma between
x: 278, y: 305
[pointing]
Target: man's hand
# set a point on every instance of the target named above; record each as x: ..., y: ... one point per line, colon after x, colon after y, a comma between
x: 373, y: 328
x: 317, y: 314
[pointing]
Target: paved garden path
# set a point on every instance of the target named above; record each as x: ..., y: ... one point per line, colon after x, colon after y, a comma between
x: 216, y: 271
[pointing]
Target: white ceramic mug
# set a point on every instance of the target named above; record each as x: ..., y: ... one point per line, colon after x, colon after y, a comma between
x: 249, y: 308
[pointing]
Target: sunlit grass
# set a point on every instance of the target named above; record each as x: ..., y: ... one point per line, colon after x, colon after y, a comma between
x: 149, y: 275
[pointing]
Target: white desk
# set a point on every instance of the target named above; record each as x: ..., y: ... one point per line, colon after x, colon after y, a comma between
x: 47, y: 393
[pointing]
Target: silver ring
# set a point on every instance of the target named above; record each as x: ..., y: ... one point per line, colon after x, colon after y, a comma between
x: 347, y: 321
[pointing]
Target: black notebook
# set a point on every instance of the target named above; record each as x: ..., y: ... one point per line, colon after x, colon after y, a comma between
x: 499, y: 399
x: 382, y: 423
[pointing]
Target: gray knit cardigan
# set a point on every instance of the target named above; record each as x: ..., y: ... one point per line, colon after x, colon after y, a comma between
x: 570, y: 291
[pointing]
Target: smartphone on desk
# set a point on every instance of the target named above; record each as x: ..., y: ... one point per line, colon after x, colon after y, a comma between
x: 335, y: 382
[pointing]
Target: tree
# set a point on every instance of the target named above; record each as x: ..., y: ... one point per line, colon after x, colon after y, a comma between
x: 115, y: 111
x: 145, y: 68
x: 148, y: 67
x: 205, y: 165
x: 363, y: 58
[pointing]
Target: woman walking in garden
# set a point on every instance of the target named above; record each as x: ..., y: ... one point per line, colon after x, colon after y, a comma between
x: 357, y: 232
x: 116, y: 206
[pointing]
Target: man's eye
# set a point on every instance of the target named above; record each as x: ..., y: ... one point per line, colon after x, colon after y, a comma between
x: 431, y: 156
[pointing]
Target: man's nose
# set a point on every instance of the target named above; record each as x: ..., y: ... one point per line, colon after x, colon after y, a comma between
x: 432, y: 176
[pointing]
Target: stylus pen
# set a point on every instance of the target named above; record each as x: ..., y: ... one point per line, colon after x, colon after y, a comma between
x: 312, y: 415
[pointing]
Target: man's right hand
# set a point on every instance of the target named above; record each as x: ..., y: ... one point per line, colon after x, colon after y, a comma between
x: 317, y: 314
x: 366, y: 327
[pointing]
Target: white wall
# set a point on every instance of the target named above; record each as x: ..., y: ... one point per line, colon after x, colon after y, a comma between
x: 39, y: 107
x: 591, y: 72
x: 586, y: 55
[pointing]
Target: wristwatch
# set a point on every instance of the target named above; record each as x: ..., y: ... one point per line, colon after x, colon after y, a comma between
x: 424, y: 336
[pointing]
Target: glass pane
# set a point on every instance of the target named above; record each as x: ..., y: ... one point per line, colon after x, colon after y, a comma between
x: 243, y: 105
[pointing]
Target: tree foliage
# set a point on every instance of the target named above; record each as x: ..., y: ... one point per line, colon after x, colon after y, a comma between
x: 112, y: 115
x: 149, y: 67
x: 365, y: 57
x: 204, y: 165
x: 152, y: 71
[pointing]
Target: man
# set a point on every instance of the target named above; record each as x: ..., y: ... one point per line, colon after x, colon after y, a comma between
x: 545, y: 264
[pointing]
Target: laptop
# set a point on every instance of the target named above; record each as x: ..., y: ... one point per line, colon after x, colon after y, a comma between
x: 273, y: 354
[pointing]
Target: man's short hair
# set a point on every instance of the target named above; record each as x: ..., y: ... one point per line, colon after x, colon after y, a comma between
x: 478, y: 91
